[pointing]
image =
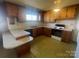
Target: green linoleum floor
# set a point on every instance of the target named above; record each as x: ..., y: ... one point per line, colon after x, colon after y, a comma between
x: 46, y: 47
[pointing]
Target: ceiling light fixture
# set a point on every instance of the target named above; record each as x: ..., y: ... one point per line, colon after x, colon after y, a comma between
x: 56, y: 10
x: 57, y: 3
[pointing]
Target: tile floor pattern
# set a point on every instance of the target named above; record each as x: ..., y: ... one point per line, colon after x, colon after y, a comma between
x: 44, y: 47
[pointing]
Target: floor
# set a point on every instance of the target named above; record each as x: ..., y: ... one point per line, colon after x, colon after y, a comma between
x: 46, y: 47
x: 43, y: 47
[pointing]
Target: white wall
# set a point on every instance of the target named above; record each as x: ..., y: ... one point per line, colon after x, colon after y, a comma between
x: 69, y: 24
x: 77, y: 49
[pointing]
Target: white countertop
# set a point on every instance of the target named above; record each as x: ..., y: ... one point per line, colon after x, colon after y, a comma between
x: 65, y: 29
x: 10, y: 42
x: 18, y: 33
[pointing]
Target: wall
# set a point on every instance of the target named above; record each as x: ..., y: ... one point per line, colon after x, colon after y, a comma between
x: 76, y: 26
x: 21, y: 21
x: 69, y: 24
x: 2, y: 21
x: 76, y: 36
x: 30, y: 24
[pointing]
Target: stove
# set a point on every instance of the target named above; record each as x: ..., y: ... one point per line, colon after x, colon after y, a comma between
x: 59, y: 26
x: 57, y: 31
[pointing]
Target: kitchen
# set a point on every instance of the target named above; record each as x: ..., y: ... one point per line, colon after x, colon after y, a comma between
x: 28, y: 22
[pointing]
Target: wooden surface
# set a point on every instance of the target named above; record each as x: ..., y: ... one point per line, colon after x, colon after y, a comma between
x: 21, y: 13
x: 67, y: 36
x: 24, y: 49
x: 34, y: 32
x: 12, y: 9
x: 41, y: 31
x: 71, y: 12
x: 64, y: 14
x: 47, y: 32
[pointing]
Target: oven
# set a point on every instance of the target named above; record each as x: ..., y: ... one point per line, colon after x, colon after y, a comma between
x: 57, y: 31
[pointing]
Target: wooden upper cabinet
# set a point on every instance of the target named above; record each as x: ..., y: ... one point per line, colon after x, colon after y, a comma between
x: 71, y: 12
x: 62, y: 14
x: 46, y: 17
x: 12, y: 9
x: 21, y: 13
x: 67, y: 13
x: 52, y: 16
x: 49, y: 16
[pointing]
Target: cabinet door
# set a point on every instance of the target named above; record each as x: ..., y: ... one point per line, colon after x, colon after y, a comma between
x: 67, y: 36
x: 47, y: 32
x: 62, y: 14
x: 49, y: 16
x: 12, y: 9
x: 71, y: 12
x: 40, y: 31
x: 46, y: 17
x: 52, y: 16
x: 35, y: 32
x: 21, y: 14
x: 24, y: 49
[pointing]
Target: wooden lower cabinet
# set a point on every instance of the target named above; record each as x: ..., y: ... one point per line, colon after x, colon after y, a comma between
x: 37, y: 31
x: 47, y: 32
x: 34, y: 32
x: 41, y: 31
x: 24, y: 49
x: 67, y: 36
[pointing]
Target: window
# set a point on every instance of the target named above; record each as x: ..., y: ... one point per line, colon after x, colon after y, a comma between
x: 30, y: 17
x: 32, y: 14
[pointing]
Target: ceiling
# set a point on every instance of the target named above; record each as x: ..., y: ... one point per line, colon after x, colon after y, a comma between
x: 44, y: 4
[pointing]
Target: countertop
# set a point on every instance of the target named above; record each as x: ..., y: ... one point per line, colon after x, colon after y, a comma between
x: 65, y: 29
x: 10, y: 42
x: 18, y: 33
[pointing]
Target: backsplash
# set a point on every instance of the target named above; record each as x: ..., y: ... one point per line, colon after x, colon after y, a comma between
x: 37, y: 23
x: 31, y: 24
x: 68, y: 23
